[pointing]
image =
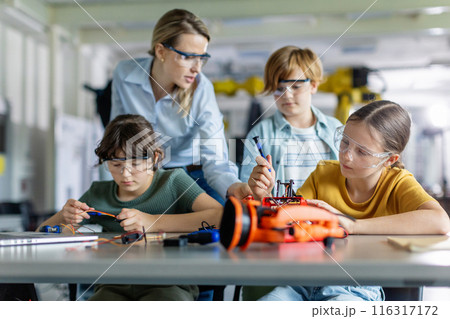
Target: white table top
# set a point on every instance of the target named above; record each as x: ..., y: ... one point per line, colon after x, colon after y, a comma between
x: 364, y: 260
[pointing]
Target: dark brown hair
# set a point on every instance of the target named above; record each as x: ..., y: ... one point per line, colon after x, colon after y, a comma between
x: 167, y: 30
x: 390, y: 120
x: 286, y: 60
x: 131, y: 134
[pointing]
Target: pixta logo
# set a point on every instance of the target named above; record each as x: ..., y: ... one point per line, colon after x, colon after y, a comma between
x: 145, y: 143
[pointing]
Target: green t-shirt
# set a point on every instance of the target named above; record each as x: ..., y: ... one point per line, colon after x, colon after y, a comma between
x: 171, y: 192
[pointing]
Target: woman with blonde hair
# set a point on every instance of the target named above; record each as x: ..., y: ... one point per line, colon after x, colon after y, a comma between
x: 170, y: 91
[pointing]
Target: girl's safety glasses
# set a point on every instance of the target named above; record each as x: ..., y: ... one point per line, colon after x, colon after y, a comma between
x: 133, y: 165
x: 360, y: 155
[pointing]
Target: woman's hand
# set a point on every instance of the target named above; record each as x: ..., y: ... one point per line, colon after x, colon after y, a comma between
x: 73, y: 212
x: 344, y: 221
x: 261, y: 181
x: 133, y: 219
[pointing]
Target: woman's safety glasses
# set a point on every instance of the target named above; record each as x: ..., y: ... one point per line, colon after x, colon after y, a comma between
x: 293, y: 88
x: 134, y: 165
x: 188, y: 60
x: 360, y: 155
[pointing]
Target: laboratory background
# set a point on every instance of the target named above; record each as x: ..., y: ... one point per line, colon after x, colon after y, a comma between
x: 57, y: 59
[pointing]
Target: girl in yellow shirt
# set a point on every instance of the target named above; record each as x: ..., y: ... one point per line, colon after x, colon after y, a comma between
x: 368, y: 182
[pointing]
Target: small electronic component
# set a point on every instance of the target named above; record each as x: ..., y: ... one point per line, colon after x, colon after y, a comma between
x: 134, y: 236
x: 176, y: 242
x: 50, y: 229
x: 204, y: 236
x: 131, y: 238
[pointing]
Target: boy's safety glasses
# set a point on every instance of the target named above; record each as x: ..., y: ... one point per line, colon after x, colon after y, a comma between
x: 188, y: 60
x: 293, y: 88
x: 134, y: 165
x: 360, y: 155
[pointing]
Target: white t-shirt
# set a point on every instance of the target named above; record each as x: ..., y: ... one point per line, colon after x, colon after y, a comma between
x: 302, y: 155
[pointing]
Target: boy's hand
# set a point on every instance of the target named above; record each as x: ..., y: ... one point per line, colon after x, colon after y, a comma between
x: 261, y: 181
x: 73, y: 212
x: 133, y: 219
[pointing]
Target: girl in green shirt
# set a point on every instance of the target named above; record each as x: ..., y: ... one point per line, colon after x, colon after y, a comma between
x: 141, y: 196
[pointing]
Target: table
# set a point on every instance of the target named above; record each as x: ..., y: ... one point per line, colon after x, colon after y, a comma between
x: 364, y: 260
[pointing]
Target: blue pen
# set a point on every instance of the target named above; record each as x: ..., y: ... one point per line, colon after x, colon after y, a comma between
x: 259, y: 147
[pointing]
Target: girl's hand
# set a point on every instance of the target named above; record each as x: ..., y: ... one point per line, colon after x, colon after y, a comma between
x: 133, y: 219
x: 344, y: 221
x: 239, y: 190
x: 261, y: 181
x: 73, y: 212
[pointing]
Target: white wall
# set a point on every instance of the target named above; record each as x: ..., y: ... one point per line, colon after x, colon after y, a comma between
x: 424, y: 92
x: 25, y: 84
x: 39, y: 77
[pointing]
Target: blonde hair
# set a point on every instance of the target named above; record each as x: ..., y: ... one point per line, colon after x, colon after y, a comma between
x: 167, y: 30
x: 286, y: 60
x: 390, y: 120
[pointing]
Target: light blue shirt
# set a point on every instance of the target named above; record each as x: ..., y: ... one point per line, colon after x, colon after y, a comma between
x: 275, y: 134
x: 197, y: 138
x: 302, y: 155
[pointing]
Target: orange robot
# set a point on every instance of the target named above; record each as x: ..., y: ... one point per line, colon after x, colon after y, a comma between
x: 276, y: 220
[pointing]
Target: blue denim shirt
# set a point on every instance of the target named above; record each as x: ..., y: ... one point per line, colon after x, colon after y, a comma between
x: 197, y: 138
x: 274, y: 133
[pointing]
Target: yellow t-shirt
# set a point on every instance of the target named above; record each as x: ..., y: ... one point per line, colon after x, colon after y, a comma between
x: 397, y: 192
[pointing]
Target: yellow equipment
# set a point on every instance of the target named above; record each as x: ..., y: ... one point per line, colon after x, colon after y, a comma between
x: 253, y: 85
x: 2, y: 164
x: 350, y: 85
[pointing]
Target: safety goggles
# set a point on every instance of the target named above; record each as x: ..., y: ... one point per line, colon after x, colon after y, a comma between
x: 134, y: 165
x: 360, y: 155
x: 188, y: 60
x: 293, y: 88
